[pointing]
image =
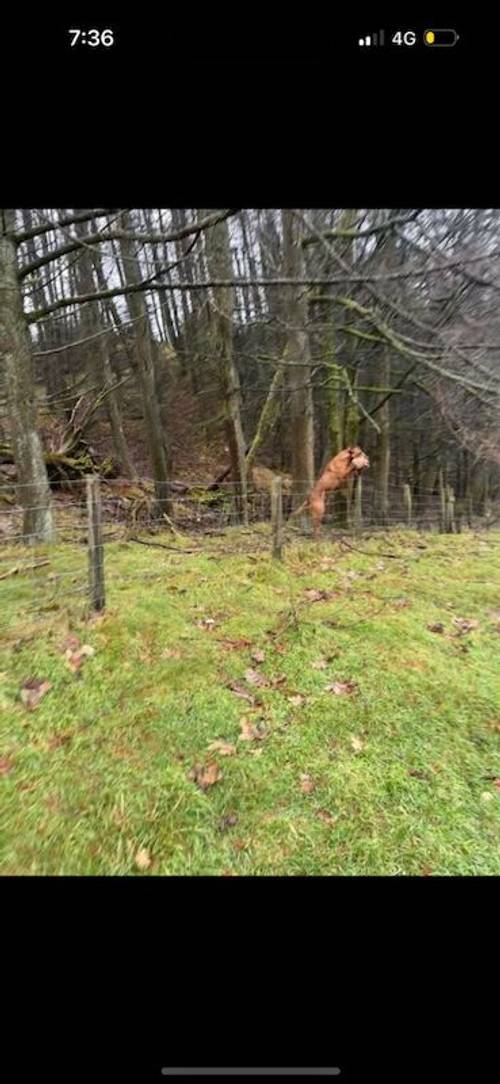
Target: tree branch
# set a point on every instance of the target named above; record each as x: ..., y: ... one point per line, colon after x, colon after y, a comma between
x: 120, y: 235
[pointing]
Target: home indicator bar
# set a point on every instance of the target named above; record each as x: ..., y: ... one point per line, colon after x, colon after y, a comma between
x: 333, y: 1071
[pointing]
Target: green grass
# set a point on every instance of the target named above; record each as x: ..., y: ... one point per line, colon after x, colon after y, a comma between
x: 100, y: 769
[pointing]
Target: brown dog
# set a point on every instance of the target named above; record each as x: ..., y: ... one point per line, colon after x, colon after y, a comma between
x: 347, y: 464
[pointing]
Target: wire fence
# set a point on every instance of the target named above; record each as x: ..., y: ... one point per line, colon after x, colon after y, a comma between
x: 66, y: 574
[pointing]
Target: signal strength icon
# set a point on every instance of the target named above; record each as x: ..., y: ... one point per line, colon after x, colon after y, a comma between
x: 378, y: 38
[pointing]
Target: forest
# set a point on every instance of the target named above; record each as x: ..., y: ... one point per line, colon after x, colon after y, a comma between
x: 178, y: 346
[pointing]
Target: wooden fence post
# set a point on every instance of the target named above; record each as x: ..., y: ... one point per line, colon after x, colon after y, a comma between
x: 277, y: 517
x: 407, y: 502
x: 95, y: 546
x: 442, y: 499
x: 358, y: 507
x: 450, y: 511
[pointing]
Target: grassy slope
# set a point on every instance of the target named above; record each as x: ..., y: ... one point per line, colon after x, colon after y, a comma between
x: 100, y: 769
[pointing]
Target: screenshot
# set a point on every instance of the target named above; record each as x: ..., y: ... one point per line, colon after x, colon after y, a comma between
x: 249, y: 546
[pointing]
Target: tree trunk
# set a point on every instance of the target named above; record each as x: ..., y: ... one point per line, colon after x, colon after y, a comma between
x: 16, y: 351
x: 218, y: 252
x: 146, y: 374
x: 384, y: 445
x: 299, y: 372
x: 96, y: 351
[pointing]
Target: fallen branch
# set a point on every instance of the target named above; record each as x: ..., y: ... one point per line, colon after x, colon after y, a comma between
x: 162, y: 546
x: 26, y: 568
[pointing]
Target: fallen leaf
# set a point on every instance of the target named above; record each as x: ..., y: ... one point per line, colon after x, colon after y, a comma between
x: 240, y: 844
x: 426, y: 871
x: 352, y: 575
x: 57, y: 740
x: 258, y: 656
x: 143, y: 859
x: 72, y: 643
x: 32, y: 691
x: 228, y: 821
x: 223, y: 747
x: 417, y: 774
x: 207, y: 623
x: 320, y: 664
x: 205, y: 775
x: 401, y: 603
x: 297, y: 699
x: 239, y: 690
x: 76, y: 659
x: 496, y: 783
x: 252, y: 731
x: 342, y: 688
x: 254, y: 678
x: 171, y: 653
x: 357, y: 744
x: 437, y: 627
x: 326, y: 817
x: 6, y: 765
x: 307, y: 785
x: 314, y: 595
x: 465, y: 624
x: 234, y: 645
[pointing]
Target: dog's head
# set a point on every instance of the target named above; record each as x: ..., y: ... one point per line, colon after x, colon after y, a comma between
x: 357, y: 458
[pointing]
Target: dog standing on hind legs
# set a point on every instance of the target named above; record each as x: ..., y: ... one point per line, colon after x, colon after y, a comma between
x: 346, y: 465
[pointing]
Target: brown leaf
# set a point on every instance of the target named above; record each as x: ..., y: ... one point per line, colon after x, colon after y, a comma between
x: 342, y: 688
x: 297, y: 700
x: 234, y: 645
x: 228, y: 821
x: 224, y: 748
x: 465, y: 624
x: 307, y: 785
x: 205, y: 775
x: 401, y: 603
x: 239, y: 690
x: 417, y: 774
x: 143, y: 859
x: 171, y: 653
x: 437, y: 627
x: 315, y: 595
x: 6, y: 765
x: 207, y: 623
x: 320, y: 664
x: 254, y: 678
x: 72, y: 643
x: 59, y: 739
x: 496, y: 783
x: 325, y: 816
x: 252, y: 731
x: 32, y: 691
x: 76, y: 659
x: 258, y: 656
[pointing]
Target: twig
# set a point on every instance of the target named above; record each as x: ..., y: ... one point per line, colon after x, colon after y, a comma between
x: 162, y: 546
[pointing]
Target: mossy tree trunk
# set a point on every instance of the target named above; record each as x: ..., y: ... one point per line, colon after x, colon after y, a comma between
x: 16, y: 356
x: 218, y: 253
x: 299, y: 367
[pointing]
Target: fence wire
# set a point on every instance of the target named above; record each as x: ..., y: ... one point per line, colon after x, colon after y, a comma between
x: 43, y: 578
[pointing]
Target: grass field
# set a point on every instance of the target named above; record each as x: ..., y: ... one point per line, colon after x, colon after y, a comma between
x: 356, y: 742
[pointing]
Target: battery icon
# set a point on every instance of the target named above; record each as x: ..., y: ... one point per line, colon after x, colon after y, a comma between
x: 440, y: 37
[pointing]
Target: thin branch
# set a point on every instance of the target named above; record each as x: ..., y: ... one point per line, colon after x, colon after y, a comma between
x: 120, y: 235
